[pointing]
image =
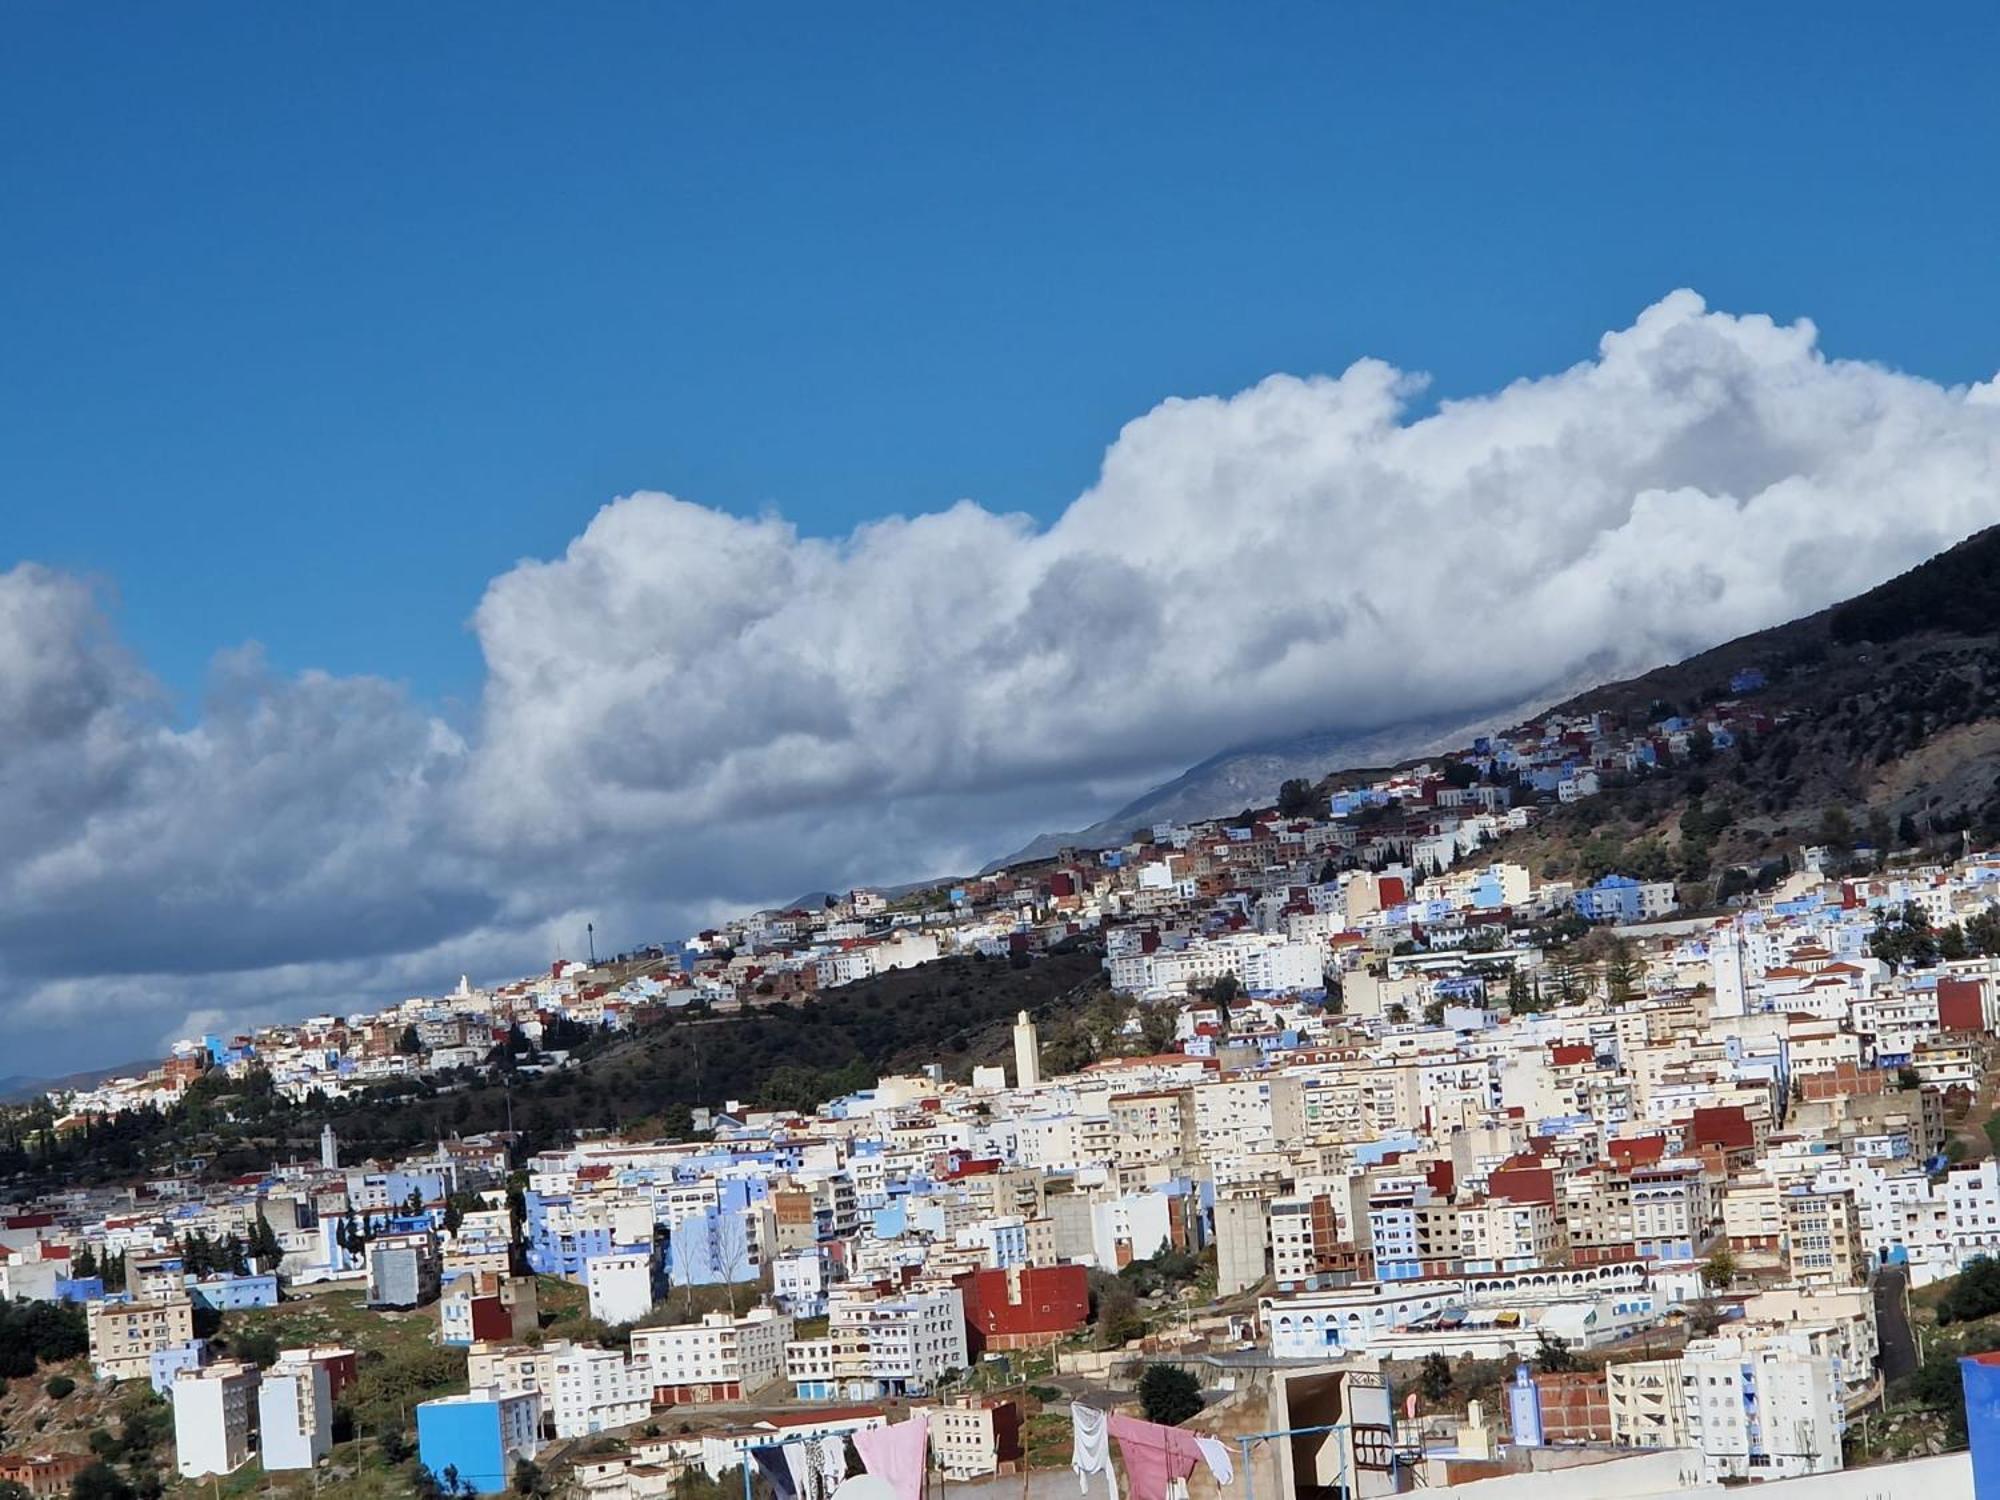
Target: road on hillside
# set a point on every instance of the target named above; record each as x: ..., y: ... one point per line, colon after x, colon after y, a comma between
x: 1892, y: 1323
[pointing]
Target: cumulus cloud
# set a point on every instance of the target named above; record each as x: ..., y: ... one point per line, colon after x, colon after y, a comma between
x: 688, y: 709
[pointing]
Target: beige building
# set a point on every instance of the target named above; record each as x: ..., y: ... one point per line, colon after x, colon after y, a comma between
x: 1752, y: 1218
x: 1648, y: 1409
x: 1154, y: 1126
x: 1823, y: 1238
x: 125, y: 1335
x: 509, y: 1369
x: 974, y: 1437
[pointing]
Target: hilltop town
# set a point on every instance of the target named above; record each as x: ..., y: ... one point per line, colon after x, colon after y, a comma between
x: 1345, y: 1086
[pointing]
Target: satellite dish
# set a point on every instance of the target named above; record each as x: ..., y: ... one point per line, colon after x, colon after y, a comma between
x: 865, y: 1487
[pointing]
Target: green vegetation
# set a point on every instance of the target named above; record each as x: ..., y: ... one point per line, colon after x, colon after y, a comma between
x: 1718, y: 1272
x: 1170, y: 1272
x: 33, y: 1333
x: 784, y: 1056
x: 1169, y: 1395
x: 1553, y: 1355
x: 1956, y: 591
x: 1436, y: 1379
x: 1972, y: 1294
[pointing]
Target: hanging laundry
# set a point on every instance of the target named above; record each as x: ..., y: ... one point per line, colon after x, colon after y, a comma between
x: 830, y: 1462
x: 1154, y: 1456
x: 1215, y: 1453
x: 799, y: 1461
x: 770, y: 1461
x: 896, y: 1453
x: 1090, y: 1449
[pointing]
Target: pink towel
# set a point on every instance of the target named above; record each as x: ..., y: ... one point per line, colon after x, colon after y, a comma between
x: 896, y: 1453
x: 1154, y: 1455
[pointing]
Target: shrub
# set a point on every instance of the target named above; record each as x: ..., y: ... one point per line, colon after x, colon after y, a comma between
x: 1169, y: 1394
x: 59, y: 1386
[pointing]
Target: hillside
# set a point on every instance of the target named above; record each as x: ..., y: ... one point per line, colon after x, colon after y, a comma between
x: 1884, y: 729
x: 955, y: 1013
x: 1251, y: 775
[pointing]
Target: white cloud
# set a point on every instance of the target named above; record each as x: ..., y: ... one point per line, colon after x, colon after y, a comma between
x: 689, y: 709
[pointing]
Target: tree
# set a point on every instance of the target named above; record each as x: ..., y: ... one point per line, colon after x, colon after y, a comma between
x: 1553, y: 1355
x: 1621, y: 972
x: 1295, y: 798
x: 1118, y: 1320
x: 1158, y: 1025
x: 1908, y: 1078
x: 1169, y: 1395
x: 264, y: 1246
x: 409, y: 1044
x: 101, y: 1482
x: 1905, y: 939
x: 1718, y: 1272
x: 1973, y: 1293
x: 529, y: 1479
x: 260, y: 1347
x: 84, y: 1263
x: 1836, y: 829
x: 1569, y: 986
x: 1435, y: 1381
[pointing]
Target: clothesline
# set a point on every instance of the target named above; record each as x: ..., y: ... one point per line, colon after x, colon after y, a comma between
x: 813, y: 1468
x: 1158, y: 1459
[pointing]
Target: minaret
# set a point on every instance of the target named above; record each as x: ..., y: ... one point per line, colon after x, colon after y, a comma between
x: 1027, y: 1053
x: 329, y: 1149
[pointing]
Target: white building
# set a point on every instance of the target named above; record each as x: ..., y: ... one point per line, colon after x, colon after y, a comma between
x: 621, y: 1287
x: 1761, y: 1410
x: 799, y: 1282
x: 718, y: 1359
x: 593, y: 1390
x: 214, y: 1419
x: 877, y: 1347
x: 295, y: 1415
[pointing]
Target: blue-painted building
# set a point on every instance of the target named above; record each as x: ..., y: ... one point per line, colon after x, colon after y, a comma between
x: 559, y: 1248
x: 229, y: 1293
x: 478, y: 1438
x: 1616, y: 898
x: 715, y: 1247
x: 169, y: 1362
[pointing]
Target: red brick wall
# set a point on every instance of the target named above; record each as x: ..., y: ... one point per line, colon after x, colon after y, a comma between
x: 1575, y: 1407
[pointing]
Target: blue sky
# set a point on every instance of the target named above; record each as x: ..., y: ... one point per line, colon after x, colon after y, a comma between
x: 315, y: 322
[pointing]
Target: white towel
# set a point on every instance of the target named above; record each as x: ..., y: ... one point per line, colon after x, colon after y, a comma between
x: 830, y: 1459
x: 799, y: 1459
x: 1090, y: 1449
x: 1215, y: 1454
